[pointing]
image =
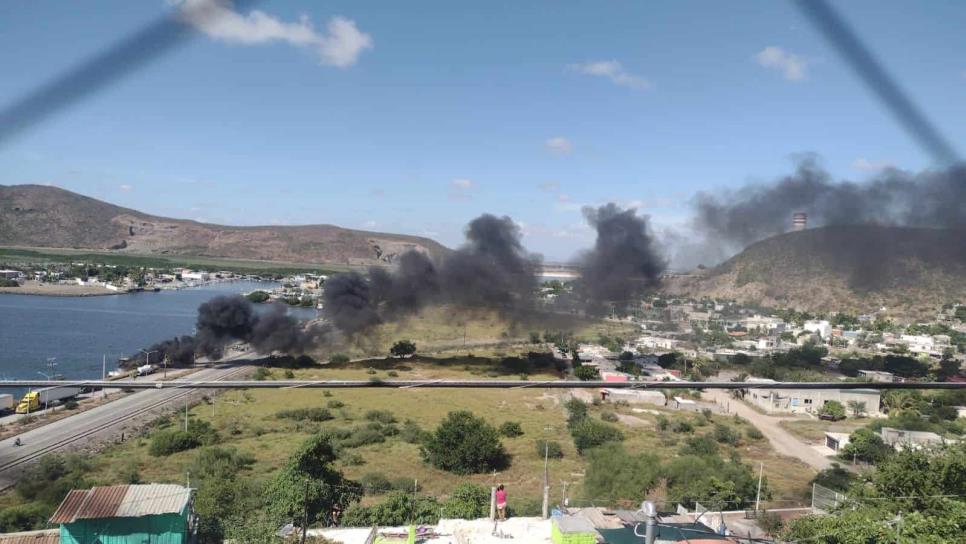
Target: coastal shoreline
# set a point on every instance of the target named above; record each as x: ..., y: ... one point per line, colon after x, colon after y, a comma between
x: 58, y: 290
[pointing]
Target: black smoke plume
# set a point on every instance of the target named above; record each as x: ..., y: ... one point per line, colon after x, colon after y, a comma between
x: 933, y: 198
x: 220, y: 320
x: 492, y: 270
x: 276, y: 331
x: 412, y: 285
x: 348, y: 303
x: 624, y: 262
x: 179, y: 351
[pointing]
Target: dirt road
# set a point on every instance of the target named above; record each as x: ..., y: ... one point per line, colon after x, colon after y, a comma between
x: 784, y: 442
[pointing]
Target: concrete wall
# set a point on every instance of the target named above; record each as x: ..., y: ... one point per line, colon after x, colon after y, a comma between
x: 809, y: 401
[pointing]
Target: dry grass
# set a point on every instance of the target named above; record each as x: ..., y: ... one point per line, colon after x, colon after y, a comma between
x: 815, y: 429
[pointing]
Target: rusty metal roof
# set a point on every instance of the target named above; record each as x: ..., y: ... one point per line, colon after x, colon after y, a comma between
x: 122, y: 501
x: 102, y: 502
x: 153, y: 499
x: 49, y: 536
x: 69, y: 507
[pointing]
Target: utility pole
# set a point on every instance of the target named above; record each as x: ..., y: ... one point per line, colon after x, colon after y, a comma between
x: 305, y: 511
x: 761, y: 471
x: 546, y: 480
x: 104, y: 375
x: 186, y: 413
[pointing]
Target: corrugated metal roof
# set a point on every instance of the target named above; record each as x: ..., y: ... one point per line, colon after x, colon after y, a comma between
x: 32, y: 537
x: 122, y: 501
x: 153, y: 499
x: 69, y: 507
x: 102, y: 502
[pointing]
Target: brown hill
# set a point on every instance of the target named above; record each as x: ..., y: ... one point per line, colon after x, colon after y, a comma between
x: 41, y: 216
x: 859, y: 268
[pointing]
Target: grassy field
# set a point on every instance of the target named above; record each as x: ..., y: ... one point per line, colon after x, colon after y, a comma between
x: 57, y: 255
x: 445, y: 329
x: 814, y: 429
x: 248, y: 421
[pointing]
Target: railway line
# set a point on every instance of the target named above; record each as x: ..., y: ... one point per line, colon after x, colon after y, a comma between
x: 107, y: 418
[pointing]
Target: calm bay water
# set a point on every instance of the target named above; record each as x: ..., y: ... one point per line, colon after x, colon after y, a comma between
x: 79, y: 331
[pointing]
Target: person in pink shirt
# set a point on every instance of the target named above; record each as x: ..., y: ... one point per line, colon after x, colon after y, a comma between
x: 500, y: 503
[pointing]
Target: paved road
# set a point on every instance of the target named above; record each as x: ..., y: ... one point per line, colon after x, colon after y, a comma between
x: 783, y: 441
x: 103, y: 423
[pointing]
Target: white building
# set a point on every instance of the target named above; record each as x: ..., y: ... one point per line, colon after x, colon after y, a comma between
x: 822, y: 328
x: 763, y: 323
x: 655, y: 342
x: 191, y: 275
x: 809, y: 401
x: 918, y: 343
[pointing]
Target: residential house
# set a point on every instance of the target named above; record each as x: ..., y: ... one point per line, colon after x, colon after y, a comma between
x: 808, y: 401
x: 902, y: 439
x: 820, y: 327
x: 126, y: 514
x: 880, y: 376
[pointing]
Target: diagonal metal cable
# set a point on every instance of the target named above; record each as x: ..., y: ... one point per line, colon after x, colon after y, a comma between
x: 837, y: 31
x: 100, y: 70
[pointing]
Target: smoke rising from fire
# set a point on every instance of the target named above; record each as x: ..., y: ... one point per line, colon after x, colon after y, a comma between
x: 932, y: 198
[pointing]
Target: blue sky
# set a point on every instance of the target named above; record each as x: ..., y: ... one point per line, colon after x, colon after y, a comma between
x: 417, y: 116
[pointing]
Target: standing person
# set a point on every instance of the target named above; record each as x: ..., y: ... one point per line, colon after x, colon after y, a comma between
x: 501, y: 503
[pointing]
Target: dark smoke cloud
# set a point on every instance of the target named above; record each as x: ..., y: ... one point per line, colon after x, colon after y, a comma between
x: 624, y: 262
x: 179, y: 351
x: 933, y: 198
x: 348, y: 304
x: 220, y: 320
x: 492, y: 270
x: 407, y: 289
x: 276, y: 331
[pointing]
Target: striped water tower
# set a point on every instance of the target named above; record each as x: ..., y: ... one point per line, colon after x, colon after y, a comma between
x: 799, y: 221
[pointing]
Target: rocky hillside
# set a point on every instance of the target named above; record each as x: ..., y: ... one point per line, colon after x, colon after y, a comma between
x: 41, y: 216
x: 857, y: 268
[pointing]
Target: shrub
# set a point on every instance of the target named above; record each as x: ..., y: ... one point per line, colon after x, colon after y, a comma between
x: 392, y: 374
x: 257, y: 296
x: 398, y: 508
x: 289, y: 374
x: 382, y: 416
x: 700, y: 445
x: 754, y: 434
x: 339, y: 359
x: 609, y: 417
x: 724, y: 435
x: 362, y: 437
x: 576, y: 411
x: 833, y: 410
x: 614, y: 474
x: 70, y: 404
x: 549, y: 448
x: 306, y: 414
x: 375, y: 483
x: 586, y: 373
x: 465, y: 444
x: 467, y: 501
x: 261, y: 373
x: 171, y: 441
x: 24, y: 517
x: 590, y: 433
x: 413, y: 433
x: 682, y: 426
x: 335, y: 404
x: 511, y: 429
x: 403, y: 348
x: 663, y: 423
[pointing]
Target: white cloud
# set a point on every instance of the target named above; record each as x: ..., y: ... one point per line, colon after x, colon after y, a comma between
x: 866, y: 165
x: 612, y: 70
x: 790, y: 65
x: 559, y: 145
x: 125, y: 187
x: 340, y: 45
x: 460, y: 189
x: 549, y: 187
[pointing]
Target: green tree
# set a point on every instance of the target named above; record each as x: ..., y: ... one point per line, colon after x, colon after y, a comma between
x: 467, y: 501
x: 857, y: 407
x: 403, y: 348
x: 309, y: 472
x: 590, y: 433
x: 834, y: 477
x: 511, y: 429
x: 257, y: 296
x: 865, y: 445
x: 614, y: 474
x: 398, y: 508
x: 587, y: 373
x: 576, y: 411
x: 465, y: 444
x: 833, y: 410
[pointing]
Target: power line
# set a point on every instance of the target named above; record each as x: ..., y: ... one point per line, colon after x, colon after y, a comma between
x: 472, y: 384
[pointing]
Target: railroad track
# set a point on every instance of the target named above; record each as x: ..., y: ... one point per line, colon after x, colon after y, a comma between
x: 50, y: 448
